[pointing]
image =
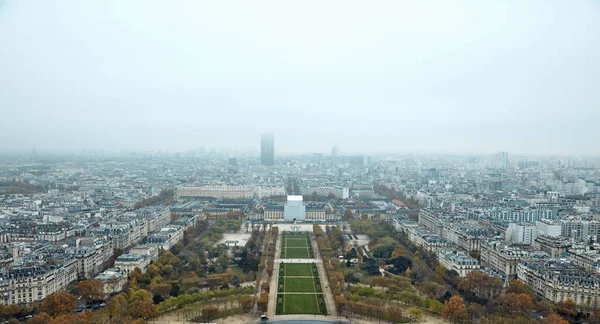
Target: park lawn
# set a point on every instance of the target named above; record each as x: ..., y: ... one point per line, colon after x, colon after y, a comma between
x: 296, y: 253
x: 300, y: 304
x: 297, y: 269
x: 296, y: 242
x: 292, y: 284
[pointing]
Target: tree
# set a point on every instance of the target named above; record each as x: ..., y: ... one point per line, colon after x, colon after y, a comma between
x: 162, y: 290
x: 569, y: 307
x: 177, y: 248
x: 41, y: 318
x: 432, y: 289
x: 340, y: 303
x: 145, y: 309
x: 175, y: 290
x: 415, y: 313
x: 12, y: 310
x: 91, y: 290
x: 554, y: 318
x: 247, y: 302
x: 481, y: 284
x: 401, y: 263
x: 371, y: 266
x: 263, y: 301
x: 394, y: 312
x: 476, y: 311
x: 519, y: 287
x: 65, y: 319
x: 545, y: 307
x: 435, y: 306
x: 209, y: 313
x: 455, y: 310
x: 134, y: 276
x: 117, y: 307
x: 515, y: 304
x: 348, y: 215
x: 595, y: 317
x: 60, y: 303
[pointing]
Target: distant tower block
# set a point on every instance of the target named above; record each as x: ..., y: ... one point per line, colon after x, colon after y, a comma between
x: 267, y: 150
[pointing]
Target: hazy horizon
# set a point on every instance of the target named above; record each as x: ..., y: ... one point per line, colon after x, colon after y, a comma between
x: 377, y: 77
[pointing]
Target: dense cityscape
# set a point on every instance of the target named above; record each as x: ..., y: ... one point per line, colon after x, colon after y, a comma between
x: 299, y: 162
x: 463, y: 238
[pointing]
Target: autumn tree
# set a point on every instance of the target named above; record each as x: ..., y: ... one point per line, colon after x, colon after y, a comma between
x: 394, y: 312
x: 65, y: 319
x: 59, y: 304
x: 432, y: 289
x: 246, y: 303
x: 340, y: 303
x: 545, y: 307
x: 263, y: 301
x: 554, y: 318
x: 141, y: 305
x: 40, y: 318
x: 117, y: 308
x: 415, y: 313
x: 209, y: 313
x: 515, y: 304
x: 134, y: 276
x: 91, y: 290
x: 159, y: 289
x: 519, y: 287
x: 455, y: 310
x: 569, y: 307
x: 481, y: 284
x: 595, y: 317
x: 476, y: 312
x: 11, y: 310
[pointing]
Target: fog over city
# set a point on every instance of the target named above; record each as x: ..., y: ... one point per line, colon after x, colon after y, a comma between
x: 369, y: 77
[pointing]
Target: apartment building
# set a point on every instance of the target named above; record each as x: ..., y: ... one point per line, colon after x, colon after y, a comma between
x: 497, y: 256
x: 146, y: 249
x: 215, y: 191
x: 559, y: 280
x: 521, y: 233
x: 29, y: 283
x: 580, y: 230
x: 431, y: 220
x: 113, y: 280
x: 519, y: 215
x: 554, y: 246
x: 467, y: 236
x: 586, y: 258
x: 128, y: 262
x: 92, y: 255
x: 458, y: 261
x: 548, y: 228
x: 166, y: 237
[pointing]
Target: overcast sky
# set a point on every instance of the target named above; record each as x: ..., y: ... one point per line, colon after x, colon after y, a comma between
x: 370, y: 76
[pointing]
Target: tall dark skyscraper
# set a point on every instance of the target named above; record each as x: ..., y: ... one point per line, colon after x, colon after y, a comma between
x: 267, y: 149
